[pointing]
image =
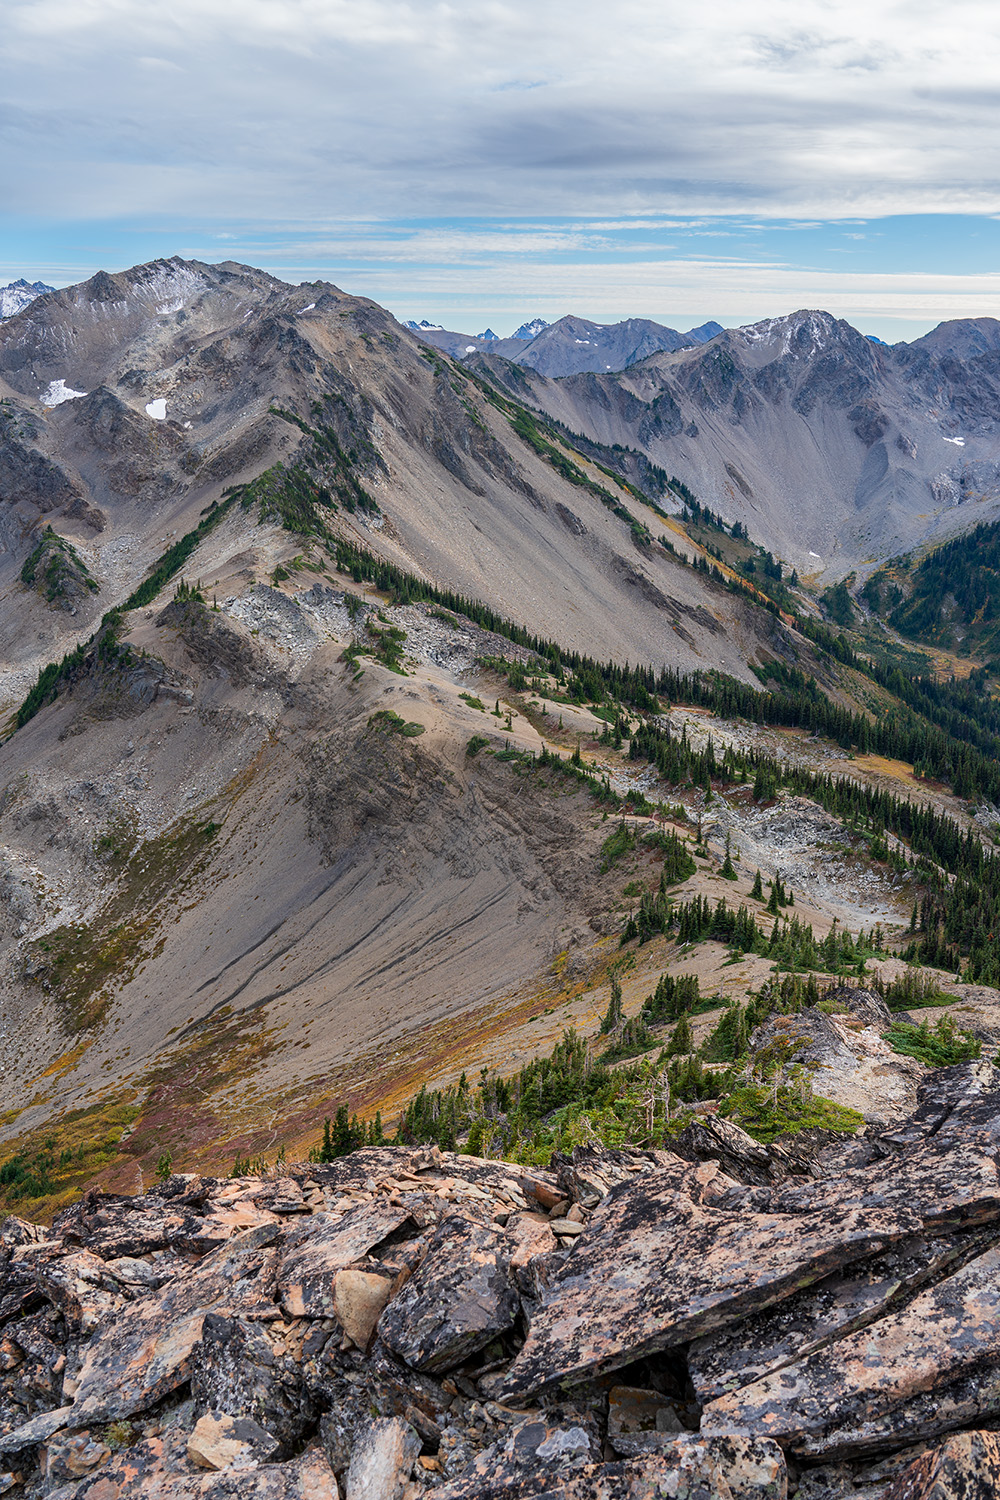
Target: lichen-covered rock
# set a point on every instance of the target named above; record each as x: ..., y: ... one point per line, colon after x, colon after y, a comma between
x: 140, y: 1353
x: 457, y: 1301
x: 655, y: 1269
x: 945, y: 1333
x: 317, y: 1249
x: 966, y: 1467
x: 223, y: 1442
x: 735, y: 1356
x: 382, y: 1461
x: 234, y: 1370
x: 158, y: 1468
x: 534, y: 1457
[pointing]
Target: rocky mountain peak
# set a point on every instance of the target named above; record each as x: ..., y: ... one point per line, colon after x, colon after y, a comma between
x: 17, y: 295
x: 803, y: 335
x: 531, y: 329
x: 961, y: 338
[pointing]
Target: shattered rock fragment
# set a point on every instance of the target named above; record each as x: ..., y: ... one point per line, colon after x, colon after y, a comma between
x: 966, y: 1467
x: 223, y: 1442
x: 458, y: 1300
x: 382, y: 1460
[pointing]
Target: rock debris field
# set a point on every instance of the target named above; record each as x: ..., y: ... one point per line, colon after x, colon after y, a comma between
x: 723, y: 1321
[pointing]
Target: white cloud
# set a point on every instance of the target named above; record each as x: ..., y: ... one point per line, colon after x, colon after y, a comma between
x: 281, y: 108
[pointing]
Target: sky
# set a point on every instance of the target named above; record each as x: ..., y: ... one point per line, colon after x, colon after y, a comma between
x: 483, y: 163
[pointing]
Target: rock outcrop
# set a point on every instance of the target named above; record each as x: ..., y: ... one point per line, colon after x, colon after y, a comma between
x: 628, y: 1325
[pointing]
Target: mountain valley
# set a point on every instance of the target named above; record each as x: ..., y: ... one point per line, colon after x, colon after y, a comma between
x: 452, y: 826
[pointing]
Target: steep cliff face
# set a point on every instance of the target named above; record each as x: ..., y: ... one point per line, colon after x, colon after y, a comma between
x: 832, y: 449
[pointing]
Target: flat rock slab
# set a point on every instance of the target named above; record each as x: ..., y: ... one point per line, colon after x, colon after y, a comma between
x: 970, y: 1400
x: 948, y: 1188
x: 966, y: 1467
x: 322, y: 1245
x: 655, y: 1269
x: 455, y: 1303
x: 142, y: 1352
x: 947, y: 1332
x: 768, y: 1341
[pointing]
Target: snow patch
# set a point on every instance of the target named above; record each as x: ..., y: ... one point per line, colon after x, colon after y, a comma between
x: 470, y: 348
x: 959, y: 441
x: 307, y: 309
x: 815, y: 554
x: 57, y: 392
x: 156, y: 409
x: 166, y: 308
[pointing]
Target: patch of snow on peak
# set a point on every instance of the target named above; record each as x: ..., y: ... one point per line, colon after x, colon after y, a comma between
x: 815, y: 554
x: 156, y: 409
x: 530, y: 330
x: 166, y: 308
x: 57, y: 392
x: 958, y: 441
x: 307, y: 309
x: 470, y: 348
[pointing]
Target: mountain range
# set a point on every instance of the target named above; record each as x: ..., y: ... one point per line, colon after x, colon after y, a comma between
x: 570, y: 345
x: 406, y: 1079
x: 289, y: 601
x: 835, y: 451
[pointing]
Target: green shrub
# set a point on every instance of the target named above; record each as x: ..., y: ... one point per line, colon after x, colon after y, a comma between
x: 938, y: 1048
x: 766, y: 1113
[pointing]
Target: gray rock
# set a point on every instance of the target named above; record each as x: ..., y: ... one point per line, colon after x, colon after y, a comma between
x: 456, y: 1302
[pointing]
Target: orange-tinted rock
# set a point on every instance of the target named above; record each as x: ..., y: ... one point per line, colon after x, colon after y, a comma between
x: 322, y: 1245
x: 223, y: 1442
x: 947, y: 1332
x: 966, y: 1467
x: 655, y: 1269
x: 143, y: 1351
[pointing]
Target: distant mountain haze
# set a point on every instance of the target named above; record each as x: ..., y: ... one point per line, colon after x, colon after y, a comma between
x: 569, y: 345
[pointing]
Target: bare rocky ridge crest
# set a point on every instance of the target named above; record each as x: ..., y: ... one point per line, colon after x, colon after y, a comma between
x: 626, y: 1325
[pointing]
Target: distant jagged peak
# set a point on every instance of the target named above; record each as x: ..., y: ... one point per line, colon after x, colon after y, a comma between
x: 425, y: 326
x: 529, y: 330
x: 16, y: 295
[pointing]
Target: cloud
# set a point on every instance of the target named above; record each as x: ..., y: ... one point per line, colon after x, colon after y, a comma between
x: 304, y: 109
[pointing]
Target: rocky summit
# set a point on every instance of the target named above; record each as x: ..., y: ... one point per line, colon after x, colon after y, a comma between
x: 623, y: 1325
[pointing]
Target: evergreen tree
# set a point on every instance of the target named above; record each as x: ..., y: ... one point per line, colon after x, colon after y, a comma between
x: 682, y: 1038
x: 613, y: 1015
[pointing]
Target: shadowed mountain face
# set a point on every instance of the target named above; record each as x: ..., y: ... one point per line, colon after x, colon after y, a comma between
x: 836, y: 452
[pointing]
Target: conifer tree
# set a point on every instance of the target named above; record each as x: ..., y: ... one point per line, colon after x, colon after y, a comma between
x: 613, y: 1015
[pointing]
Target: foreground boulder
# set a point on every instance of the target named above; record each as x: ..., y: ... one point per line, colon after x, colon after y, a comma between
x: 817, y: 1318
